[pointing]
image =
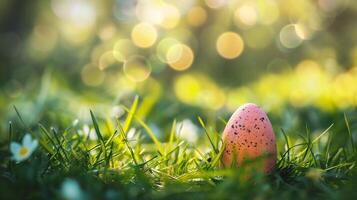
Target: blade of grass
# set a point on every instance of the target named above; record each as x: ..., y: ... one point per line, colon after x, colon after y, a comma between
x: 21, y: 120
x: 218, y: 156
x: 323, y: 133
x: 287, y: 144
x: 222, y: 120
x: 128, y: 146
x: 327, y: 154
x: 349, y: 132
x: 96, y: 127
x: 60, y: 144
x: 151, y: 134
x: 100, y: 137
x: 172, y: 135
x: 209, y: 138
x: 44, y: 130
x: 131, y: 113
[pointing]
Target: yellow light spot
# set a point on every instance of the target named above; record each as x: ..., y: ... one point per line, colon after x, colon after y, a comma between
x: 302, y: 31
x: 92, y: 76
x: 107, y: 32
x: 137, y: 68
x: 229, y: 45
x: 163, y: 47
x: 144, y: 35
x: 246, y: 15
x: 196, y: 16
x: 268, y: 12
x: 171, y: 16
x: 23, y: 151
x: 238, y: 96
x: 75, y: 34
x: 180, y: 57
x: 199, y: 90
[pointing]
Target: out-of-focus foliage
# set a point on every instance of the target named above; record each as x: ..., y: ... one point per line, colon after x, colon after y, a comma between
x: 61, y: 57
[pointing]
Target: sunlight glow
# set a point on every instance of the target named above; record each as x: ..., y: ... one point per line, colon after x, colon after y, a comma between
x: 230, y: 45
x: 196, y: 16
x: 180, y: 57
x: 144, y: 35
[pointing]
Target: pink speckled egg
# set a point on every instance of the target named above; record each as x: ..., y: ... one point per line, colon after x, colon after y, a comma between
x: 249, y: 135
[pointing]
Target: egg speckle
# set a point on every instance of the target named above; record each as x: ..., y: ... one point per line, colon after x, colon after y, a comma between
x: 249, y: 135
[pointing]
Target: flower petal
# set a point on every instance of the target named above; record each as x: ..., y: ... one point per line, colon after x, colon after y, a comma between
x: 33, y: 146
x: 27, y: 140
x: 15, y: 148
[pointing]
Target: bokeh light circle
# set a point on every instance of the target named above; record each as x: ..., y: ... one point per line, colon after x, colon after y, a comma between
x: 171, y: 16
x: 229, y: 45
x: 268, y: 12
x: 246, y: 15
x: 289, y: 37
x: 137, y: 68
x: 144, y: 35
x: 196, y: 16
x: 180, y: 57
x: 163, y: 47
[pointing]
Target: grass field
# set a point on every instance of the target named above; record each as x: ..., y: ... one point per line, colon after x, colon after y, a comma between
x: 129, y: 99
x: 69, y: 165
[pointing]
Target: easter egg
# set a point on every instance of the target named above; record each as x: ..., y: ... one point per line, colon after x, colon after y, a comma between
x: 249, y: 135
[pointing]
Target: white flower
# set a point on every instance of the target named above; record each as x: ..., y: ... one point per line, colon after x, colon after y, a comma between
x: 187, y: 130
x: 71, y: 190
x: 24, y: 151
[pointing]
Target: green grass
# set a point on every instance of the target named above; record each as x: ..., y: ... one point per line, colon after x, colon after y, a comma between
x: 114, y: 166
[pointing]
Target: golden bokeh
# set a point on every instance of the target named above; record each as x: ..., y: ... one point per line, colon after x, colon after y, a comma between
x: 171, y: 16
x: 268, y: 12
x: 229, y: 45
x: 246, y: 15
x: 163, y: 47
x: 180, y: 57
x: 196, y: 16
x: 137, y: 68
x: 144, y: 35
x: 199, y: 90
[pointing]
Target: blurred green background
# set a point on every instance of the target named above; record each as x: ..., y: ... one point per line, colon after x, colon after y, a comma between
x: 184, y: 58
